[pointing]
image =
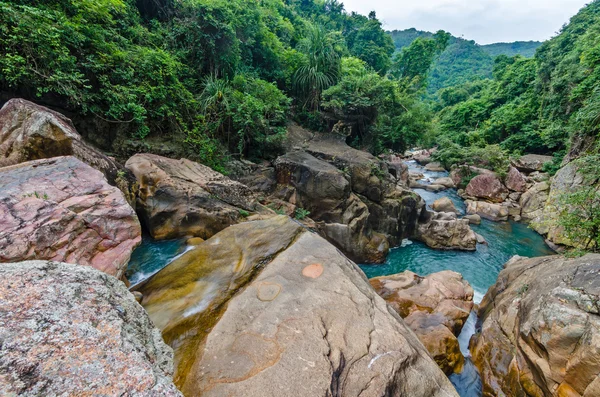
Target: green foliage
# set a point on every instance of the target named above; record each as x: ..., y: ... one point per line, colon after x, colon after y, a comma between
x: 580, y: 209
x: 301, y: 213
x: 244, y: 213
x: 526, y: 49
x: 491, y: 157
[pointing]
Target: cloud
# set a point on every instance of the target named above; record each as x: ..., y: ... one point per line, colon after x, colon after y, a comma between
x: 485, y: 21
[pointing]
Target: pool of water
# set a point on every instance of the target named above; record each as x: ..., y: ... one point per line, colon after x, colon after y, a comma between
x: 151, y: 256
x: 479, y: 268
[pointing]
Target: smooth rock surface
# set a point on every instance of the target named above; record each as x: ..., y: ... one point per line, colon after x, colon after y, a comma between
x: 435, y: 307
x: 179, y: 198
x: 69, y: 330
x: 444, y: 231
x: 302, y: 320
x: 33, y: 132
x: 446, y: 182
x: 541, y: 329
x: 444, y: 204
x: 435, y: 167
x: 487, y: 187
x: 492, y: 212
x: 64, y: 210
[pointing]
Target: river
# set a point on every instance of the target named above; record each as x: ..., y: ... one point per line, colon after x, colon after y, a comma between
x: 479, y: 268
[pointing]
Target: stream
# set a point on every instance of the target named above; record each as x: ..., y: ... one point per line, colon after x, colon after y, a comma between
x: 479, y: 268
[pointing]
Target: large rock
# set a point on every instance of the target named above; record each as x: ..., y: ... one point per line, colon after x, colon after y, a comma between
x: 462, y: 174
x: 541, y: 329
x: 32, y: 132
x: 444, y: 204
x: 180, y: 198
x: 322, y: 189
x: 435, y: 307
x: 268, y: 308
x: 487, y: 187
x: 62, y: 209
x: 442, y: 230
x: 492, y: 212
x: 68, y: 330
x: 533, y: 201
x: 435, y: 167
x: 531, y: 162
x: 516, y: 181
x: 446, y: 182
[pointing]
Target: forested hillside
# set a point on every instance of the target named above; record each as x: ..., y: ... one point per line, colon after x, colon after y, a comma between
x: 463, y: 60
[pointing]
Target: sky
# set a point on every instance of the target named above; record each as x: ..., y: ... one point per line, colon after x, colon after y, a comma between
x: 485, y: 21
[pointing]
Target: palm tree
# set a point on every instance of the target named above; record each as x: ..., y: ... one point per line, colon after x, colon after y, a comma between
x: 321, y: 66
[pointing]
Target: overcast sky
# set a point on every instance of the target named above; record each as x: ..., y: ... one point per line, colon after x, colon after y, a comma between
x: 485, y: 21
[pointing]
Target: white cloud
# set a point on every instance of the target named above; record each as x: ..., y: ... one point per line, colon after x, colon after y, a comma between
x: 485, y: 21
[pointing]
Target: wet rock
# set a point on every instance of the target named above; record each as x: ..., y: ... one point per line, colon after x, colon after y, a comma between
x: 180, y: 198
x: 541, y: 330
x: 269, y: 308
x: 435, y: 167
x: 493, y: 212
x: 434, y: 307
x: 32, y: 132
x: 72, y: 330
x: 487, y: 187
x: 516, y: 181
x: 444, y: 204
x: 531, y: 162
x: 444, y: 231
x: 480, y: 239
x: 62, y: 209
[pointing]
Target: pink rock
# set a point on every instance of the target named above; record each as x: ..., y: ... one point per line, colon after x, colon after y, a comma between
x: 516, y: 181
x: 487, y: 187
x: 64, y: 210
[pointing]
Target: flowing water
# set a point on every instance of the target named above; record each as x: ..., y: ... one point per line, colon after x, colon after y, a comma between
x: 480, y: 268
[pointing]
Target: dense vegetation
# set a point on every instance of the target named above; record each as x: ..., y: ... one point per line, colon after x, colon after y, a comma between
x: 463, y: 60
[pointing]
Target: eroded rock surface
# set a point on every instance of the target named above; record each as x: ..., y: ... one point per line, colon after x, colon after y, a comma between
x: 302, y: 320
x: 435, y: 307
x: 64, y: 210
x: 443, y: 230
x: 487, y: 187
x: 516, y: 181
x: 72, y: 330
x: 32, y: 132
x: 180, y: 198
x: 541, y: 329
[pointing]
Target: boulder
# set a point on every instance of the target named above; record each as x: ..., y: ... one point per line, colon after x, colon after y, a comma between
x: 492, y: 212
x: 473, y: 219
x: 179, y: 198
x: 487, y: 187
x: 444, y: 231
x: 64, y: 210
x: 533, y: 201
x: 434, y: 307
x: 398, y: 169
x: 531, y: 162
x: 540, y: 333
x: 322, y: 189
x: 32, y: 132
x: 70, y: 330
x: 434, y: 188
x: 515, y: 181
x: 435, y: 167
x: 444, y: 204
x: 462, y: 174
x: 269, y: 308
x: 446, y: 182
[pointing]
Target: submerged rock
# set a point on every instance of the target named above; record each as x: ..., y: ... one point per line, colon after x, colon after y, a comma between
x: 72, y: 330
x: 269, y: 308
x: 32, y: 132
x: 179, y: 198
x: 487, y: 187
x: 541, y: 329
x: 62, y: 209
x: 436, y: 307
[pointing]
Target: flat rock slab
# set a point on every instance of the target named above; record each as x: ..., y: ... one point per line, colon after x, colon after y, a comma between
x: 303, y: 321
x: 69, y: 330
x: 64, y: 210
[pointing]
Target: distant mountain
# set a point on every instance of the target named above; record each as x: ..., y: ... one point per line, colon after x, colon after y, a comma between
x: 524, y: 48
x: 463, y: 60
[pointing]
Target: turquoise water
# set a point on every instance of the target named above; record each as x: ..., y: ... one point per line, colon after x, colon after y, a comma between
x: 479, y: 268
x: 151, y: 256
